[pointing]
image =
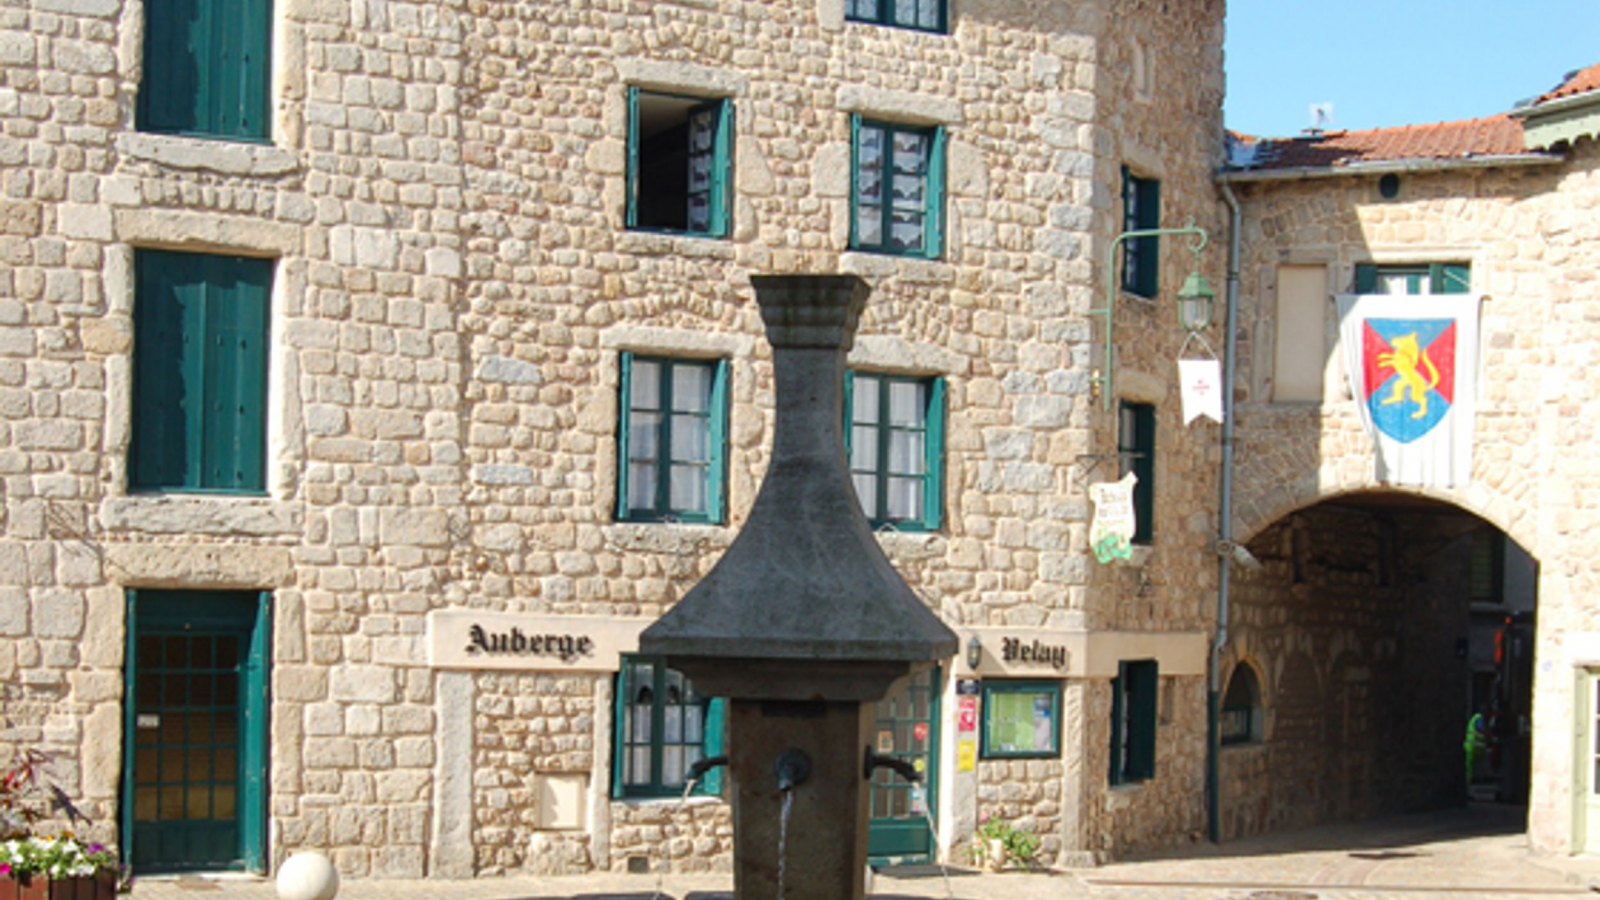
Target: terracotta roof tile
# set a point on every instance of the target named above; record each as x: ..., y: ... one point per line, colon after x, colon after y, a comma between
x: 1498, y: 135
x: 1580, y: 82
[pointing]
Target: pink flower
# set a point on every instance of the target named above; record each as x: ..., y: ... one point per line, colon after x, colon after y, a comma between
x: 5, y: 868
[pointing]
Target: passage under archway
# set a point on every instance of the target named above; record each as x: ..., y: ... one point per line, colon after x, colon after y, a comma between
x: 1382, y: 622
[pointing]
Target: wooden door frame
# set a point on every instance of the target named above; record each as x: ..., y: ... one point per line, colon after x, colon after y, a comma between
x: 255, y: 686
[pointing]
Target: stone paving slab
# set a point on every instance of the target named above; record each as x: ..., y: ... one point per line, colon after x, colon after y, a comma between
x: 1467, y: 854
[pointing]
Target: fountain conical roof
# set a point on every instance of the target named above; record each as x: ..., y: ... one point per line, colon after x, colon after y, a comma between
x: 805, y: 579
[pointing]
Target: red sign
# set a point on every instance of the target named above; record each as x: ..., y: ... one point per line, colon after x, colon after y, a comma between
x: 920, y: 731
x: 967, y: 714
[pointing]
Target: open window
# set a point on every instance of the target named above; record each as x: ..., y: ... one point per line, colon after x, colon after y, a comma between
x: 680, y: 162
x: 1133, y: 721
x: 1136, y: 453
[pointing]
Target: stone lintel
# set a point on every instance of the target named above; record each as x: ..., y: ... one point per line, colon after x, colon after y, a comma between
x: 207, y: 155
x: 200, y: 565
x: 206, y: 232
x: 898, y: 106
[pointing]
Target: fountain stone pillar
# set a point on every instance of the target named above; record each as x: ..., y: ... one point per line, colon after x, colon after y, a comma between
x: 803, y: 623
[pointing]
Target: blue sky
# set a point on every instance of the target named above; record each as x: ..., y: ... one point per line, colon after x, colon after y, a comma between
x: 1398, y: 62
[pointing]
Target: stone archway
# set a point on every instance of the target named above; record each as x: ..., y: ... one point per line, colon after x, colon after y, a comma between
x: 1365, y: 618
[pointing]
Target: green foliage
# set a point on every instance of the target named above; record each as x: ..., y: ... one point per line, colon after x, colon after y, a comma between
x: 1017, y: 846
x: 28, y: 798
x: 58, y: 857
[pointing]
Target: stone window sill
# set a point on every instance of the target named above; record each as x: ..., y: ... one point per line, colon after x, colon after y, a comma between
x: 209, y: 514
x: 200, y: 154
x: 696, y: 800
x: 660, y: 243
x: 667, y: 537
x: 907, y: 268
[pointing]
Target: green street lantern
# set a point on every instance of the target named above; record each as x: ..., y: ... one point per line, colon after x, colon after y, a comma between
x: 1196, y: 301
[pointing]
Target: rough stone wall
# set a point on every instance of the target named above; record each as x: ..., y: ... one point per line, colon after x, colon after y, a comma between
x: 527, y: 726
x: 1532, y: 246
x: 443, y: 196
x: 1352, y: 627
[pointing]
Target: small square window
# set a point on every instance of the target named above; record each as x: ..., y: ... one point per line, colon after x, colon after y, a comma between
x: 680, y: 162
x: 922, y: 15
x: 1136, y: 453
x: 1436, y: 278
x: 673, y: 439
x: 897, y: 189
x: 1141, y: 256
x: 662, y: 727
x: 1133, y: 721
x: 895, y: 444
x: 1021, y: 719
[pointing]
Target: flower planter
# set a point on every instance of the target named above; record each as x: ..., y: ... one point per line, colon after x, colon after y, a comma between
x: 100, y: 886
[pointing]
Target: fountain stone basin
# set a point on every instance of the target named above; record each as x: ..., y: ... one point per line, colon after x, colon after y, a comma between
x: 803, y: 623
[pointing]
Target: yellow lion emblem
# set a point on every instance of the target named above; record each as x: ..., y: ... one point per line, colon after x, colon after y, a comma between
x: 1405, y: 360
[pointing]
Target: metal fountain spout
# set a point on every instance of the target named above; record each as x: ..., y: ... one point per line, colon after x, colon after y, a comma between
x: 793, y: 768
x: 803, y: 623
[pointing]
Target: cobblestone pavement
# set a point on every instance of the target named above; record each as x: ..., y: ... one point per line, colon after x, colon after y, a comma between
x: 1474, y: 854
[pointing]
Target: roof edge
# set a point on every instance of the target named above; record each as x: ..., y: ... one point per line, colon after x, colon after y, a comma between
x: 1556, y: 106
x: 1387, y: 166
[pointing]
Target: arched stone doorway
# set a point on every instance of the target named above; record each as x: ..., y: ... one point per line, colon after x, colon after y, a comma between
x: 1378, y: 623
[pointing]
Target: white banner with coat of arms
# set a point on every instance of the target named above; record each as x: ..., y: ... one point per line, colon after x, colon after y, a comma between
x: 1413, y: 363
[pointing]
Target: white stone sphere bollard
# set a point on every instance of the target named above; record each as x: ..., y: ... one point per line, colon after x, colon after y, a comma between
x: 307, y: 876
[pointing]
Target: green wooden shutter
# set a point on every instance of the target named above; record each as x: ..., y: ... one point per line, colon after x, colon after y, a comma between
x: 1117, y: 689
x: 1149, y: 247
x: 632, y: 214
x: 166, y: 311
x: 855, y: 180
x: 722, y: 172
x: 849, y: 413
x: 624, y: 417
x: 206, y: 68
x: 130, y: 722
x: 1142, y: 690
x: 200, y: 367
x: 716, y: 480
x: 933, y: 223
x: 716, y: 725
x: 1366, y: 278
x: 257, y: 674
x: 933, y: 490
x: 233, y: 423
x: 618, y: 745
x: 1450, y: 278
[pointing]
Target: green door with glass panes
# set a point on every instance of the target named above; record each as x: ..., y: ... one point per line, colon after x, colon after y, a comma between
x: 906, y: 726
x: 194, y: 777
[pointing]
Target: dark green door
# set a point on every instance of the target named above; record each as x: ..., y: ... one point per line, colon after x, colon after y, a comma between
x: 907, y: 727
x: 195, y: 751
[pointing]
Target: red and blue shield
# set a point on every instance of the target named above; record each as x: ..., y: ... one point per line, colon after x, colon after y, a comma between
x: 1410, y: 374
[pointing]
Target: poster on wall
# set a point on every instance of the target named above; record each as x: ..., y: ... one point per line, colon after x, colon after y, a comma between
x: 966, y: 756
x: 1021, y: 721
x: 967, y: 714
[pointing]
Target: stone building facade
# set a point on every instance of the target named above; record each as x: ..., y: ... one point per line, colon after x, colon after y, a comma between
x: 1361, y: 620
x: 434, y: 209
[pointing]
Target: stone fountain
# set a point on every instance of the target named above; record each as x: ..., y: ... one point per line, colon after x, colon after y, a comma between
x: 803, y: 623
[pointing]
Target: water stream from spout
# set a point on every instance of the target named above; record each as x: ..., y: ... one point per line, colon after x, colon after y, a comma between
x: 919, y: 797
x: 783, y: 839
x: 661, y: 860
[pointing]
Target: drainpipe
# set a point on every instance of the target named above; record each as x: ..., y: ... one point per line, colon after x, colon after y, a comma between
x: 1224, y: 526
